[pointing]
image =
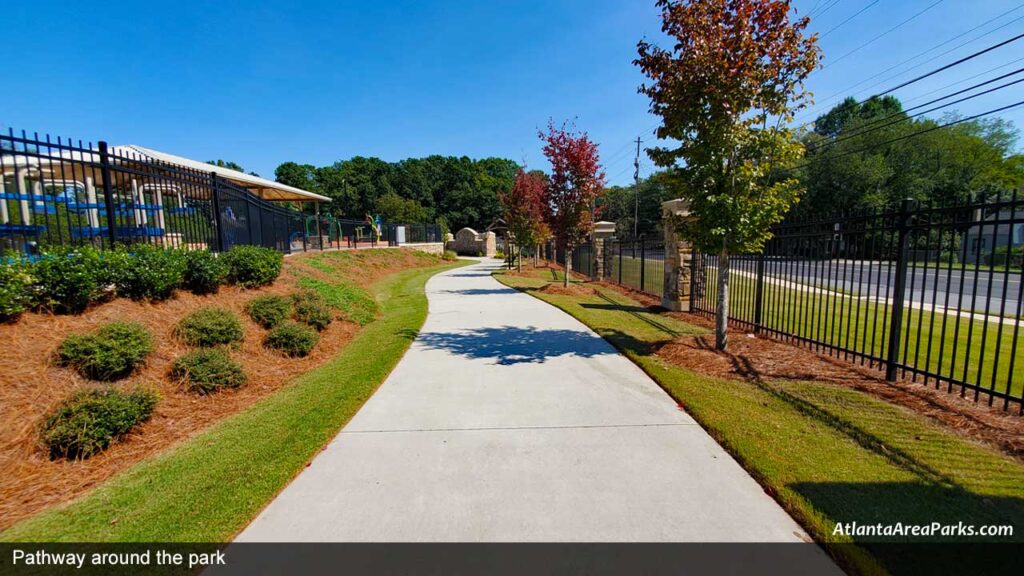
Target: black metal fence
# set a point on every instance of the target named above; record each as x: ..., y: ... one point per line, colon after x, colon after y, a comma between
x: 931, y: 294
x: 636, y: 263
x: 59, y: 192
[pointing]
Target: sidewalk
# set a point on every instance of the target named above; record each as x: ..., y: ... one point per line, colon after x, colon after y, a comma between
x: 508, y: 420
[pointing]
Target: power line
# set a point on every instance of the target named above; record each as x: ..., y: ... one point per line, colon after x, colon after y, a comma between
x: 913, y: 134
x: 824, y: 9
x: 834, y: 95
x: 958, y: 82
x: 952, y: 64
x: 841, y: 24
x: 887, y: 32
x: 871, y: 126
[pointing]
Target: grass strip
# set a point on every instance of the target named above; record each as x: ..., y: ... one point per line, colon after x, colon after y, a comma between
x: 827, y: 453
x: 208, y: 488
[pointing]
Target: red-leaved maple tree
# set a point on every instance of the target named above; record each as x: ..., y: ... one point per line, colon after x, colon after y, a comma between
x: 575, y: 182
x: 523, y: 210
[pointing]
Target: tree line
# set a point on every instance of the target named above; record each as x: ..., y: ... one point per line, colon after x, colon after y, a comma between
x: 452, y: 191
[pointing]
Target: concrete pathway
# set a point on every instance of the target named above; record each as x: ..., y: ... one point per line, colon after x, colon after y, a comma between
x: 508, y: 420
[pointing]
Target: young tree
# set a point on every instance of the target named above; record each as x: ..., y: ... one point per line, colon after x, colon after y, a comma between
x: 572, y: 189
x: 522, y: 209
x: 725, y: 90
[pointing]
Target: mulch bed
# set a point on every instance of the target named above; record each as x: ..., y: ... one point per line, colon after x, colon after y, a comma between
x: 762, y: 359
x: 31, y: 386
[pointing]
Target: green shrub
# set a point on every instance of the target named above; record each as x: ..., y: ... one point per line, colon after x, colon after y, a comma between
x: 204, y: 271
x: 109, y: 353
x: 15, y: 289
x: 1000, y: 256
x: 208, y: 370
x: 89, y: 420
x: 253, y: 266
x: 292, y: 339
x: 210, y: 326
x: 354, y: 302
x: 450, y: 256
x: 147, y: 272
x: 269, y: 311
x: 67, y: 280
x: 499, y: 255
x: 312, y: 309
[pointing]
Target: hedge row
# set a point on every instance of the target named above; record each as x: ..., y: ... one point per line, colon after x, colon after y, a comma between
x: 67, y: 281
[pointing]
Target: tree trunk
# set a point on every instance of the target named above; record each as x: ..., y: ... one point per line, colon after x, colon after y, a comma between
x: 568, y: 266
x: 536, y: 255
x: 722, y: 309
x: 519, y: 262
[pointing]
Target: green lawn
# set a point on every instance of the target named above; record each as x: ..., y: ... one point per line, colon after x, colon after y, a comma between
x: 828, y: 454
x: 209, y: 488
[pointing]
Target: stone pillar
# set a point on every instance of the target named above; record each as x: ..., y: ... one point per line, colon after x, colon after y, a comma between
x: 678, y: 256
x: 602, y: 231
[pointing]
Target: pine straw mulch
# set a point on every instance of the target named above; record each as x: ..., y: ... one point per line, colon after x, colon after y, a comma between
x: 760, y: 359
x: 31, y: 386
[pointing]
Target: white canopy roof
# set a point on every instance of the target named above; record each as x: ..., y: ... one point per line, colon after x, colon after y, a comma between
x: 55, y: 161
x: 267, y: 189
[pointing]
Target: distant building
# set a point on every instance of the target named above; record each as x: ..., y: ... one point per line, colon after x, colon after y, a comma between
x: 992, y: 232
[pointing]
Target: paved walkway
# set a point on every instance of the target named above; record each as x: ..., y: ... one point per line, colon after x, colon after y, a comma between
x: 508, y: 420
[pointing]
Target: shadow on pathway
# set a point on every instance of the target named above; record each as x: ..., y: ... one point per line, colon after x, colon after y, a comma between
x: 514, y: 345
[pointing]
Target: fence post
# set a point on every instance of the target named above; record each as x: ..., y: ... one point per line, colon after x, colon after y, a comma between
x: 643, y: 262
x: 319, y: 233
x: 620, y: 262
x: 899, y: 287
x: 759, y: 292
x: 217, y: 220
x: 108, y: 193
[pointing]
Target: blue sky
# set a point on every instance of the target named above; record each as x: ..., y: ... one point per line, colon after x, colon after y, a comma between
x: 260, y: 83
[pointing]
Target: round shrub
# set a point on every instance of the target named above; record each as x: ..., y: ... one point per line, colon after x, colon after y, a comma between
x: 210, y: 326
x: 208, y: 370
x: 450, y: 256
x: 67, y: 280
x: 109, y: 353
x: 144, y: 271
x: 311, y: 309
x: 253, y: 266
x: 292, y: 339
x: 89, y: 420
x: 15, y: 289
x: 204, y: 271
x: 269, y: 311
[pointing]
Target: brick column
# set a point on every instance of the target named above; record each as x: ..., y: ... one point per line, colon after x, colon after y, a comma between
x: 602, y: 231
x: 678, y: 255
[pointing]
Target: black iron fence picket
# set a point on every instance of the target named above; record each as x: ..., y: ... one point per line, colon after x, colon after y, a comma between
x: 930, y: 294
x: 637, y: 263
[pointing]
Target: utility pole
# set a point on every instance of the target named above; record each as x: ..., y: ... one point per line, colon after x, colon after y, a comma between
x: 636, y: 188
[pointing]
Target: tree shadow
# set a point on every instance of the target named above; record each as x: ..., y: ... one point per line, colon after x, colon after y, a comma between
x: 509, y: 345
x: 481, y: 291
x: 635, y: 311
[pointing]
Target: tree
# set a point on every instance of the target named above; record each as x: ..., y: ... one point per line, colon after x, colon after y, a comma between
x: 393, y: 208
x: 523, y: 209
x: 725, y: 90
x: 572, y: 189
x: 618, y: 204
x: 302, y: 176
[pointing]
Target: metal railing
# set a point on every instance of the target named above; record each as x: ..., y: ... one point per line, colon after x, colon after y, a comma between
x: 637, y: 263
x: 931, y: 294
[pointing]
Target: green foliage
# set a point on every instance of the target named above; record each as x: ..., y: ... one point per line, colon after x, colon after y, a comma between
x: 459, y: 190
x: 450, y: 256
x: 204, y: 271
x: 89, y: 420
x: 312, y: 309
x: 253, y: 266
x: 210, y: 326
x: 269, y: 311
x: 351, y: 300
x: 15, y: 289
x: 292, y: 339
x: 393, y: 208
x: 67, y: 280
x: 144, y: 271
x: 207, y: 370
x: 109, y: 353
x: 618, y: 204
x: 1000, y: 256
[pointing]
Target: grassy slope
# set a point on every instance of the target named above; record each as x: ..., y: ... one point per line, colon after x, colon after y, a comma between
x: 208, y: 488
x: 826, y: 453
